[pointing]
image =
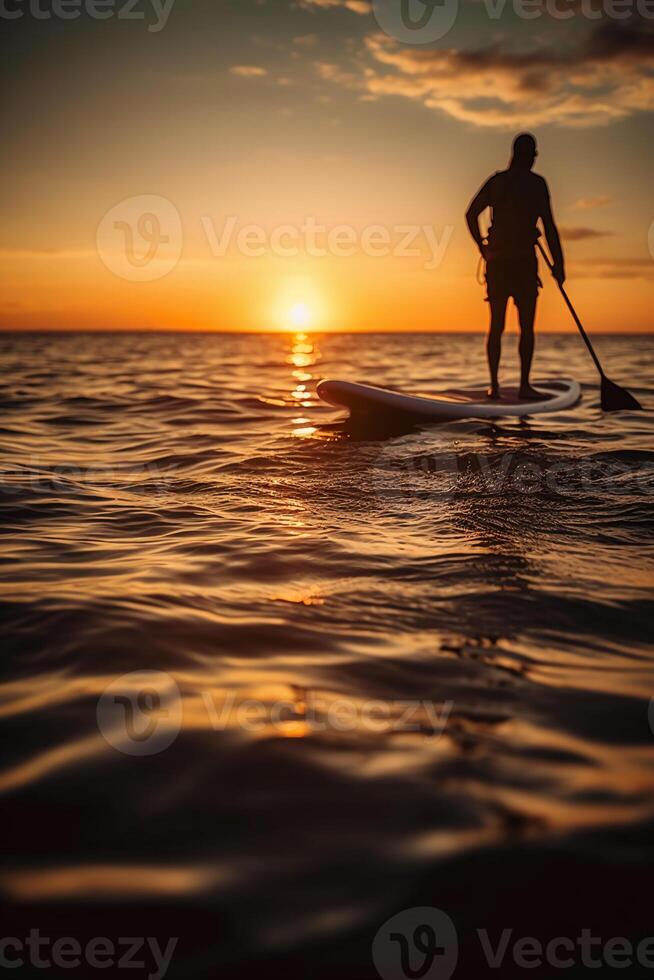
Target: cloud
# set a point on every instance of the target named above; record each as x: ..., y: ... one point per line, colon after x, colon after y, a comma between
x: 606, y: 77
x: 248, y: 71
x: 306, y: 40
x: 582, y: 234
x: 46, y: 253
x: 356, y: 6
x: 590, y: 203
x: 334, y: 73
x: 603, y: 268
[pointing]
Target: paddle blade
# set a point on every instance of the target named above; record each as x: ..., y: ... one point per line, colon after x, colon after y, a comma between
x: 615, y: 398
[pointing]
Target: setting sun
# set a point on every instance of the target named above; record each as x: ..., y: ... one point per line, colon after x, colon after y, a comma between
x: 299, y: 304
x: 300, y: 315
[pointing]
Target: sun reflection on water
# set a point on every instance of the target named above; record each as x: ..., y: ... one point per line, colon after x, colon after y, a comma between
x: 303, y: 355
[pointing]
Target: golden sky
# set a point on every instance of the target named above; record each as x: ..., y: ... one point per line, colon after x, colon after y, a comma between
x: 264, y: 164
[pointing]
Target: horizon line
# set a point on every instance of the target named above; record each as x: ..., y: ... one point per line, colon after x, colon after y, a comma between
x: 113, y: 331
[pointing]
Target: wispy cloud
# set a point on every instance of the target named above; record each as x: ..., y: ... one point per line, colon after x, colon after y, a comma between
x: 606, y: 77
x: 356, y: 6
x: 306, y: 40
x: 334, y: 73
x: 248, y: 71
x: 612, y: 268
x: 590, y: 203
x: 582, y: 234
x: 46, y: 253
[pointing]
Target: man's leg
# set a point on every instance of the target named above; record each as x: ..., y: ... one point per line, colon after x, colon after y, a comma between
x: 527, y: 315
x: 498, y: 303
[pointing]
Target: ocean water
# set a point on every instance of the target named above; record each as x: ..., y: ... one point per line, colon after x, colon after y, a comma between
x: 269, y: 680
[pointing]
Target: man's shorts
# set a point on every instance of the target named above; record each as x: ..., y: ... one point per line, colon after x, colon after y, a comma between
x: 513, y: 276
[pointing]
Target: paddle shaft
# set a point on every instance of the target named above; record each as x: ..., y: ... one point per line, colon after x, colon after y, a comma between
x: 580, y: 327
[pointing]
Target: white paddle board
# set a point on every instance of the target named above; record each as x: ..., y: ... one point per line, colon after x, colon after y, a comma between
x: 455, y: 403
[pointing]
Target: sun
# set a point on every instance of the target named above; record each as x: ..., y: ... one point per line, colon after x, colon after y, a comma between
x: 299, y: 306
x: 300, y: 315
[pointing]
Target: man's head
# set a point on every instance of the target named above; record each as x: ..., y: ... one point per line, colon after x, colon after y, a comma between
x: 524, y: 152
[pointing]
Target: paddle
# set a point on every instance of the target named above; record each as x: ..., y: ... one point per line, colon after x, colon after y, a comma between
x: 613, y: 397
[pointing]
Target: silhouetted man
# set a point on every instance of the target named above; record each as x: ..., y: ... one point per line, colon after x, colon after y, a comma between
x: 518, y: 198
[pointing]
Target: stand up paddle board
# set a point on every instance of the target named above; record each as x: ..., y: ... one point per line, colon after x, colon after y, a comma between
x: 455, y: 403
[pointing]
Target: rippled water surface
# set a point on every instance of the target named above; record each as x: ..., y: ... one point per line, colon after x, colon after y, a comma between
x: 414, y: 668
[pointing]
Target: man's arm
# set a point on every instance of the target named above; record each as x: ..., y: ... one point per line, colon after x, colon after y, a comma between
x: 553, y: 239
x: 479, y: 203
